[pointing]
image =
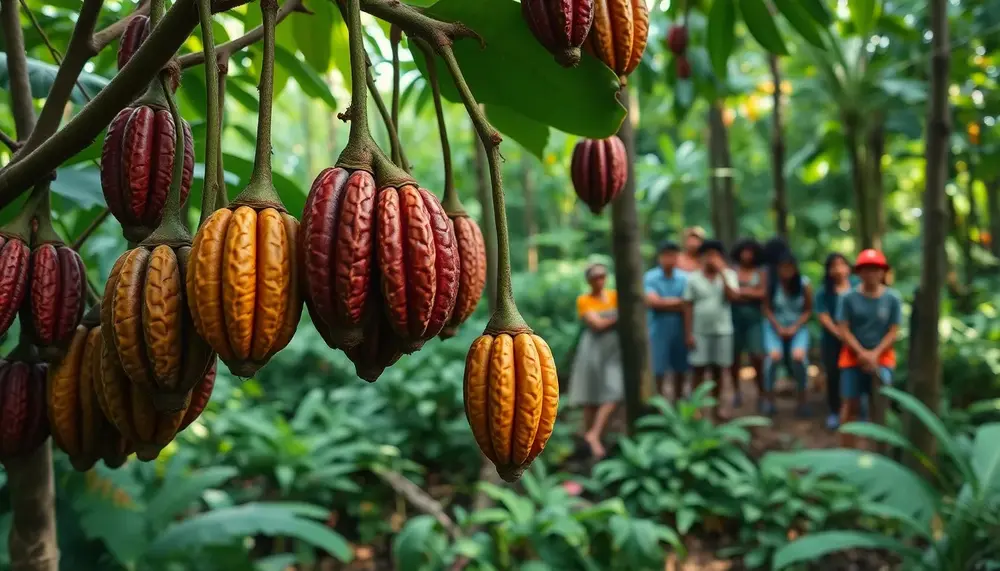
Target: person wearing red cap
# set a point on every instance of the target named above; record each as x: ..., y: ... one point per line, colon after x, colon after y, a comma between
x: 869, y: 319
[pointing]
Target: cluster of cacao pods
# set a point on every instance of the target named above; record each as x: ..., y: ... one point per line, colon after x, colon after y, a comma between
x: 677, y: 43
x: 599, y: 170
x: 24, y: 425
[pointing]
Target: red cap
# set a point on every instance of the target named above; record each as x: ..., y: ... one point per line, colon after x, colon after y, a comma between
x: 871, y: 257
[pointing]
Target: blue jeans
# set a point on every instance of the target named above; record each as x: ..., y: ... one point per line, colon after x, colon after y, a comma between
x: 774, y: 343
x: 854, y: 382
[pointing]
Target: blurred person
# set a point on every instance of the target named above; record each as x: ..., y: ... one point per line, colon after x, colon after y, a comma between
x: 711, y: 291
x: 596, y: 383
x: 666, y: 318
x: 748, y: 316
x: 787, y: 307
x: 837, y: 282
x: 869, y: 319
x: 689, y: 260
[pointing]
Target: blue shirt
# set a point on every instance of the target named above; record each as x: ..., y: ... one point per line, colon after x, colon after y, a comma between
x: 788, y: 309
x: 655, y: 281
x: 830, y: 305
x: 870, y: 318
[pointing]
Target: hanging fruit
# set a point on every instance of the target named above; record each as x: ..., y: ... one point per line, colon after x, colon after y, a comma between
x: 599, y: 169
x: 242, y: 281
x: 619, y: 34
x: 683, y: 65
x: 677, y: 40
x: 79, y: 426
x: 15, y: 256
x: 134, y: 35
x: 200, y: 396
x: 24, y: 425
x: 379, y: 349
x: 561, y: 26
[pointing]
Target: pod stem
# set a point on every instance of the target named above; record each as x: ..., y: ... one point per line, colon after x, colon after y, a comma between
x: 154, y: 96
x: 451, y: 203
x: 172, y: 230
x: 397, y: 151
x: 213, y: 112
x: 260, y: 192
x: 20, y: 226
x: 396, y: 148
x: 222, y: 198
x: 44, y: 233
x: 157, y: 9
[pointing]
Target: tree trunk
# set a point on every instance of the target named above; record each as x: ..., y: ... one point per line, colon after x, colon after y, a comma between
x: 993, y: 204
x: 626, y: 240
x: 778, y: 154
x: 488, y: 222
x: 971, y: 227
x: 720, y: 175
x: 925, y: 370
x: 876, y: 198
x: 861, y: 203
x: 531, y: 226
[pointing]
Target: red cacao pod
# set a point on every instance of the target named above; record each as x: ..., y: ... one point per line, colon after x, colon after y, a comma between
x: 135, y: 33
x: 561, y: 26
x: 14, y: 258
x: 200, y: 396
x: 619, y: 34
x: 683, y: 68
x: 56, y: 295
x: 24, y: 425
x: 677, y: 40
x: 599, y: 170
x: 472, y: 271
x: 137, y: 164
x: 379, y: 347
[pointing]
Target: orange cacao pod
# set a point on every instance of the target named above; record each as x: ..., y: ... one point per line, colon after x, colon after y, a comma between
x: 619, y: 34
x: 200, y: 396
x: 599, y: 169
x: 56, y: 294
x: 146, y: 320
x: 561, y: 26
x: 14, y: 257
x: 242, y: 284
x: 472, y: 271
x: 511, y: 396
x: 24, y: 425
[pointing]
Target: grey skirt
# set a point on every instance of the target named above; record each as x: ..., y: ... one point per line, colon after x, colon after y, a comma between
x: 597, y: 369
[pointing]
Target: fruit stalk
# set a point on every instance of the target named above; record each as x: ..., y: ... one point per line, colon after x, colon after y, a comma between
x: 394, y: 40
x: 213, y: 113
x: 452, y: 204
x: 156, y: 11
x: 173, y: 229
x: 395, y: 148
x: 46, y: 233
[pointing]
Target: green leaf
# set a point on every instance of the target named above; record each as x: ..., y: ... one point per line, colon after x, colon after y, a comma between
x: 758, y: 19
x: 310, y: 29
x: 721, y: 34
x: 864, y: 13
x: 307, y: 78
x: 41, y: 75
x: 340, y: 48
x: 178, y: 494
x: 80, y: 184
x: 986, y: 460
x: 813, y: 546
x: 817, y: 11
x: 801, y: 20
x: 515, y: 71
x: 686, y: 519
x: 935, y: 426
x: 292, y: 195
x: 531, y: 135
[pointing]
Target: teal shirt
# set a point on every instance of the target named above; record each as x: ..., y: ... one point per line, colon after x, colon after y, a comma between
x: 788, y: 309
x: 830, y: 305
x: 712, y: 314
x: 662, y: 323
x: 869, y: 318
x: 748, y: 313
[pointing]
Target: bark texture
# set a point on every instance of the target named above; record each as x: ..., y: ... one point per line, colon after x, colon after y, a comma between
x: 778, y: 154
x: 723, y: 199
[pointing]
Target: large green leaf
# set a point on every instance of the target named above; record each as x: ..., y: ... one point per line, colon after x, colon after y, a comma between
x: 721, y: 34
x: 307, y: 78
x: 531, y: 135
x: 80, y: 184
x: 310, y: 29
x: 801, y: 20
x: 41, y: 75
x: 864, y: 14
x: 513, y: 70
x: 177, y: 494
x: 817, y: 11
x: 814, y: 546
x: 759, y: 21
x: 986, y: 460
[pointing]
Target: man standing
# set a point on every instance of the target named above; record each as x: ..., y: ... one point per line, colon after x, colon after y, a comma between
x: 668, y: 318
x: 693, y: 237
x: 711, y: 291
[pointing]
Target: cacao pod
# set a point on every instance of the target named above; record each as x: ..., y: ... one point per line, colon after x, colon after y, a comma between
x: 599, y: 170
x: 677, y: 40
x: 24, y: 425
x: 379, y: 349
x: 56, y: 295
x: 146, y: 320
x: 137, y: 163
x: 619, y: 34
x: 683, y: 68
x: 242, y: 284
x: 79, y: 427
x: 200, y: 396
x: 135, y: 33
x: 511, y: 393
x: 472, y: 272
x: 561, y: 26
x: 14, y: 260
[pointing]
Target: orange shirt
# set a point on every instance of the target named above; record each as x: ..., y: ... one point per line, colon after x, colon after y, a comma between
x: 587, y: 303
x: 848, y: 359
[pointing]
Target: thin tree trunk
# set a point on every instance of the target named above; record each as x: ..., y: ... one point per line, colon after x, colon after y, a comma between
x: 993, y: 204
x: 861, y: 203
x: 721, y: 177
x: 925, y: 370
x: 626, y: 241
x: 528, y: 187
x: 876, y: 198
x: 971, y: 226
x: 488, y: 222
x: 778, y: 154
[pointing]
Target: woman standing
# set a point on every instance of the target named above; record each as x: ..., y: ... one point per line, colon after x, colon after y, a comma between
x: 787, y: 308
x: 690, y: 259
x: 596, y: 383
x: 748, y: 317
x: 837, y: 283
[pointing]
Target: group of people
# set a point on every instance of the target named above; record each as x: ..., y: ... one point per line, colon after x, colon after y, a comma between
x: 708, y: 311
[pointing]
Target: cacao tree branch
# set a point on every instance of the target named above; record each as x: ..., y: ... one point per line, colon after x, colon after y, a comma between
x: 213, y: 112
x: 227, y: 49
x: 56, y: 56
x: 103, y: 38
x: 416, y: 23
x: 394, y: 39
x: 21, y: 103
x: 395, y: 151
x: 89, y: 231
x: 9, y: 141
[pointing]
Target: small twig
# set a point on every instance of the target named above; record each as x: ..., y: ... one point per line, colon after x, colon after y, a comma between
x: 418, y: 499
x: 56, y: 56
x: 89, y: 231
x: 416, y: 23
x: 21, y: 103
x: 227, y: 49
x: 104, y: 37
x: 9, y: 141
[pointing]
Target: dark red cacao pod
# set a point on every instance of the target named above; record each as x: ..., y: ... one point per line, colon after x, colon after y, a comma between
x: 561, y: 26
x: 677, y: 40
x: 135, y: 33
x: 599, y: 170
x: 56, y: 295
x: 683, y: 68
x: 14, y: 258
x: 137, y: 164
x: 24, y: 423
x: 472, y: 272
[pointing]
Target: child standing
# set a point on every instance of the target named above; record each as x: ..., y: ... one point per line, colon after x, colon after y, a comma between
x: 787, y: 307
x: 748, y: 317
x: 869, y: 319
x: 836, y: 284
x: 710, y: 291
x: 667, y: 315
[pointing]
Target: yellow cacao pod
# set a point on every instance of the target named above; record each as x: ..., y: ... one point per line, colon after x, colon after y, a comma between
x: 511, y: 399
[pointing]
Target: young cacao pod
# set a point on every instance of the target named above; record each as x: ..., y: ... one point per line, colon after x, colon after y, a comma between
x: 619, y: 34
x: 137, y: 163
x: 135, y: 33
x: 79, y: 427
x: 14, y: 257
x: 683, y: 67
x: 24, y: 425
x: 511, y: 393
x: 200, y: 396
x: 599, y: 169
x: 56, y: 295
x: 561, y: 26
x: 677, y: 40
x: 242, y: 284
x: 472, y: 271
x: 146, y: 320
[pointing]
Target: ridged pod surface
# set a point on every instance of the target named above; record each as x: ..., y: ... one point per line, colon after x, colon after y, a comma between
x: 619, y: 34
x: 24, y: 425
x: 79, y: 426
x: 379, y: 349
x: 561, y: 26
x: 200, y: 396
x: 599, y: 170
x: 14, y: 257
x: 146, y: 319
x: 243, y: 285
x: 472, y: 272
x: 135, y: 33
x: 137, y: 163
x: 511, y: 393
x: 56, y: 293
